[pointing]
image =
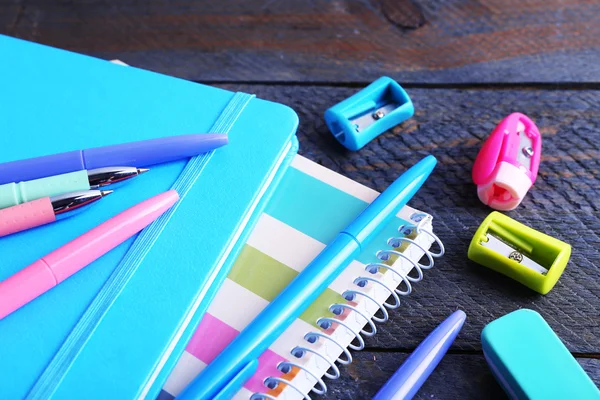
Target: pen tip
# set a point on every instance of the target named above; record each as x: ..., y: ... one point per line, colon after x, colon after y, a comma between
x: 142, y: 170
x: 106, y: 192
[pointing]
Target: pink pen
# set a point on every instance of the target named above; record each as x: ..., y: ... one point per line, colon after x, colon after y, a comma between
x: 46, y: 210
x: 52, y: 269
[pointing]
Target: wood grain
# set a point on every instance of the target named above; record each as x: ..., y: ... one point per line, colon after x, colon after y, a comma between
x: 456, y: 377
x: 451, y: 125
x: 413, y: 41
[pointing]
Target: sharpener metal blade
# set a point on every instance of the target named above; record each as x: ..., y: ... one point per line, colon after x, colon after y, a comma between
x: 499, y: 246
x: 369, y: 118
x: 525, y: 147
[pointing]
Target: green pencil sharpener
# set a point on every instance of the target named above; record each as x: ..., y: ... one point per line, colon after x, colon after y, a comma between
x: 530, y: 257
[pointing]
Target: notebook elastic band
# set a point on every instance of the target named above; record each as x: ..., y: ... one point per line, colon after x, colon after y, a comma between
x: 54, y: 373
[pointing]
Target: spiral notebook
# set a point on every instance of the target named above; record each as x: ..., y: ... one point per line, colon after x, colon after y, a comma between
x: 311, y: 205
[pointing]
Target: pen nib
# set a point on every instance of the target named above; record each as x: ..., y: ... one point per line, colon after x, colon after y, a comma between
x: 106, y: 192
x: 142, y: 170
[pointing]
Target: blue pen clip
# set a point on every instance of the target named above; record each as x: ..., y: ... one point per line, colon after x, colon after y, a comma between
x: 365, y: 115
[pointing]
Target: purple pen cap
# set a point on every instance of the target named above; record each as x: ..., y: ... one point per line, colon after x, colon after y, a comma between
x: 138, y: 154
x: 153, y: 151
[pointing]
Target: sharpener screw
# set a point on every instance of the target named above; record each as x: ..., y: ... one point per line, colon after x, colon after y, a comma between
x: 378, y: 114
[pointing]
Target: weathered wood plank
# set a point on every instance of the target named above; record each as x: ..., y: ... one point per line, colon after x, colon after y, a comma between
x: 451, y: 124
x: 456, y: 377
x: 414, y: 41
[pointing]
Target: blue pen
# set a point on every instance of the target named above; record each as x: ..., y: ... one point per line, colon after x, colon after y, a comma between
x: 228, y: 372
x: 411, y: 375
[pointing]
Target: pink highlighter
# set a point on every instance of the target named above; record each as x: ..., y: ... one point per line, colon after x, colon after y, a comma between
x: 507, y: 164
x: 52, y: 269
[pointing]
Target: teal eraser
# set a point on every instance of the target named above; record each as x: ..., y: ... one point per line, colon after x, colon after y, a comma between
x: 530, y: 362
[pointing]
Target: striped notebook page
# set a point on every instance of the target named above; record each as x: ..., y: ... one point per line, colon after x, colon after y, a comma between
x: 309, y: 208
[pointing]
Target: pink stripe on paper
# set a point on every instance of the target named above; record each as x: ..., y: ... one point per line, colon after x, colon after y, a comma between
x: 213, y: 335
x: 267, y: 366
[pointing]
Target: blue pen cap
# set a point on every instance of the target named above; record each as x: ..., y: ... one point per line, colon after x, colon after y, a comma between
x: 362, y: 117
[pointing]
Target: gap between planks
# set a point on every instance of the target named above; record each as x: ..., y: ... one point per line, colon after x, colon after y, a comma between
x: 481, y: 86
x: 461, y: 352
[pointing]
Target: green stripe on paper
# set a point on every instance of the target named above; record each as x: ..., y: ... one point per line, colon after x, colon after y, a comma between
x: 321, y: 211
x: 261, y: 274
x: 266, y: 277
x: 320, y: 307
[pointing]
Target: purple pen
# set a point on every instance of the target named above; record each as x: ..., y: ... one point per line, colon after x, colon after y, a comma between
x: 411, y: 375
x: 140, y: 154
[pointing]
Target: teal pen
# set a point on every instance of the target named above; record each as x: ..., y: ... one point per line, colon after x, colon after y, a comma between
x: 228, y: 372
x: 12, y: 194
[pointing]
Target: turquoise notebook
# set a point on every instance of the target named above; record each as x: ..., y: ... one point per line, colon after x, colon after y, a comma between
x: 141, y: 311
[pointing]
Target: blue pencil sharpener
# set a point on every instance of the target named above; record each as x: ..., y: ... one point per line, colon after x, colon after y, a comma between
x: 365, y: 115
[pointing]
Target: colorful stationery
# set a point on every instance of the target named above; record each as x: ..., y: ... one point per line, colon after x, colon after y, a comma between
x: 12, y: 194
x: 530, y: 361
x: 311, y: 206
x: 52, y: 269
x: 132, y: 311
x: 230, y: 370
x: 530, y: 257
x: 413, y: 372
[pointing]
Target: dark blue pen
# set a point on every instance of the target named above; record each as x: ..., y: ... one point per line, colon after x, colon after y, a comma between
x: 411, y: 375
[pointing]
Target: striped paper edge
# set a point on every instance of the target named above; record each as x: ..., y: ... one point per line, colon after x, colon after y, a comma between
x: 286, y: 254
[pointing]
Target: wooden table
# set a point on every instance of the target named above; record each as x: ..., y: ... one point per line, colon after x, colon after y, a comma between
x: 466, y: 64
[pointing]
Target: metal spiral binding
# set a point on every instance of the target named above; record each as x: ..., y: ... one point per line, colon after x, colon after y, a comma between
x: 337, y: 309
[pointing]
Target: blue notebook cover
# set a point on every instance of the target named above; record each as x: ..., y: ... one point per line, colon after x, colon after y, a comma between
x: 54, y: 101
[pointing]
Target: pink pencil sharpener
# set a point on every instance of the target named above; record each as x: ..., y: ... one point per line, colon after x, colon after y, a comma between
x: 507, y: 164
